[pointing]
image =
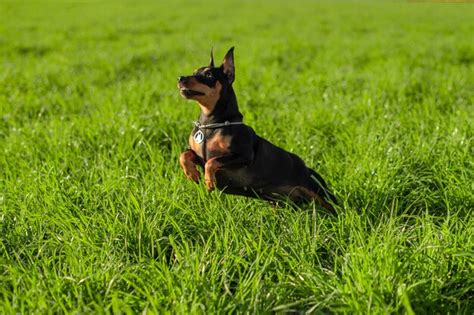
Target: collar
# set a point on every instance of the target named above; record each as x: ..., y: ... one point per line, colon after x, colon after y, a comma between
x: 217, y: 125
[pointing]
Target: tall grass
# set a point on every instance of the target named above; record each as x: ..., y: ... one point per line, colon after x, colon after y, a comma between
x: 96, y: 215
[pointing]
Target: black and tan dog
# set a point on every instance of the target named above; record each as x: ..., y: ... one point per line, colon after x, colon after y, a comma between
x: 234, y: 158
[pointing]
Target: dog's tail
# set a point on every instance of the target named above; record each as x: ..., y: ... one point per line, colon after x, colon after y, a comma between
x: 320, y: 187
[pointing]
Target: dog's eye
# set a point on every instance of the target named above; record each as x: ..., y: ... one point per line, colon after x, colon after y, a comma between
x: 208, y: 74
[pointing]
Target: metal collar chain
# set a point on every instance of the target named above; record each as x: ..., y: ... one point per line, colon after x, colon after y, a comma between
x: 200, y: 137
x: 217, y: 125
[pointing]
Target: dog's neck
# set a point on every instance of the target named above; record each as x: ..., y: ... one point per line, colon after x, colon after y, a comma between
x: 226, y: 109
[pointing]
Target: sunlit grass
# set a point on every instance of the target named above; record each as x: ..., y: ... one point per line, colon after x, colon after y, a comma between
x: 96, y: 215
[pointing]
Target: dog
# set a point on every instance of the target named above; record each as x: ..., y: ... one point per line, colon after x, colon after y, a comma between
x: 234, y: 158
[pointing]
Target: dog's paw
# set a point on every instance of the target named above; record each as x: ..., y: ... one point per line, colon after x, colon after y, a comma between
x: 210, y: 184
x: 193, y: 175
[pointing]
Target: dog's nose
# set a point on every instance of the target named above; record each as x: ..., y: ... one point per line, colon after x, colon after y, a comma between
x: 181, y: 79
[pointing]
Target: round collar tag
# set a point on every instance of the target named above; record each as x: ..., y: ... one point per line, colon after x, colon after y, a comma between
x: 199, y: 137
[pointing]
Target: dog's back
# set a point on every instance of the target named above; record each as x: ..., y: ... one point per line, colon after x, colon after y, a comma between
x: 272, y: 174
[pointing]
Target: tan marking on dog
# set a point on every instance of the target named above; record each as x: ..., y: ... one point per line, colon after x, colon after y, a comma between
x: 219, y: 144
x: 208, y: 101
x: 296, y: 192
x: 196, y: 71
x: 188, y: 165
x: 194, y: 146
x: 210, y: 169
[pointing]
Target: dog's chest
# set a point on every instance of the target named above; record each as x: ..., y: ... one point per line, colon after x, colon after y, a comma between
x: 209, y: 143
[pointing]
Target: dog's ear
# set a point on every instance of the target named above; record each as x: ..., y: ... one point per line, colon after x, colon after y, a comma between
x: 211, y: 62
x: 228, y: 65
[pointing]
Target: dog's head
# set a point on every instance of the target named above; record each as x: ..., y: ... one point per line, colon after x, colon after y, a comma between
x: 207, y: 83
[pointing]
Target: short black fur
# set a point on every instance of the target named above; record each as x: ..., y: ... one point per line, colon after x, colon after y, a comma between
x: 252, y: 166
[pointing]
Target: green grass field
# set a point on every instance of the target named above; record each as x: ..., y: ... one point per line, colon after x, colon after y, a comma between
x: 96, y: 215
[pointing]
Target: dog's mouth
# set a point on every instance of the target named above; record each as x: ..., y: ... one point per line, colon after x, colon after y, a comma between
x: 189, y: 93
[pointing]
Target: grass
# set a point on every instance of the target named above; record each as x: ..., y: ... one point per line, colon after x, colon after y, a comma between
x: 97, y: 217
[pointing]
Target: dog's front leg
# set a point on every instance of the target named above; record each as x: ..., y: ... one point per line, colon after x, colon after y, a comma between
x: 188, y: 161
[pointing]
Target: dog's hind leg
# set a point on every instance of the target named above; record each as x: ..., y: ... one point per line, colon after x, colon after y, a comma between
x: 319, y: 186
x: 298, y: 195
x: 310, y: 195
